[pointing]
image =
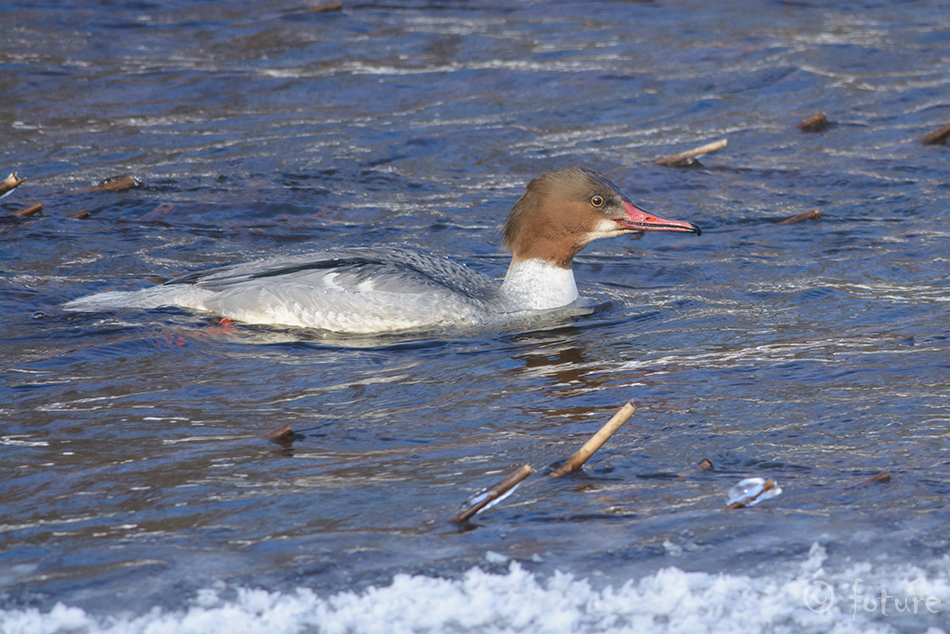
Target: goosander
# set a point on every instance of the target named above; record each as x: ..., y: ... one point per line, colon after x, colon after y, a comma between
x: 373, y: 290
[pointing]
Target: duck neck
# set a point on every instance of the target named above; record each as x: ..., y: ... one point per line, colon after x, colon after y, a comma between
x: 537, y: 284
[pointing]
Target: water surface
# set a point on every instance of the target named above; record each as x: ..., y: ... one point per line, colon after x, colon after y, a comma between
x: 815, y: 353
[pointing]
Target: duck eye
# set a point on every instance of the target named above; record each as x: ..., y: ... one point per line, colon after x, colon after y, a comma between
x: 597, y: 201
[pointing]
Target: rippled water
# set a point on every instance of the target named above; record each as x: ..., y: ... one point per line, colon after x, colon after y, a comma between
x: 816, y: 353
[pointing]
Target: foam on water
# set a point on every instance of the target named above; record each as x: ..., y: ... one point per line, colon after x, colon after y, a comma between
x: 810, y: 599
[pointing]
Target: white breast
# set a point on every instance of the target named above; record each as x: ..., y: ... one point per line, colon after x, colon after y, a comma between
x: 535, y: 284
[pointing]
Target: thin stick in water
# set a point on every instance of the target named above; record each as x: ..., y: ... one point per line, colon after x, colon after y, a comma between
x: 29, y: 210
x: 940, y: 135
x: 325, y: 7
x: 812, y: 214
x: 581, y: 455
x: 746, y: 501
x: 114, y: 185
x: 677, y: 159
x: 493, y: 494
x: 10, y: 183
x: 282, y: 433
x: 883, y: 476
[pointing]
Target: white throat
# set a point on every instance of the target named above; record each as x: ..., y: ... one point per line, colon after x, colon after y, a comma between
x: 537, y: 284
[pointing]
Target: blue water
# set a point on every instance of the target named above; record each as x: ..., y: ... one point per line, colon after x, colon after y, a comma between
x: 816, y: 354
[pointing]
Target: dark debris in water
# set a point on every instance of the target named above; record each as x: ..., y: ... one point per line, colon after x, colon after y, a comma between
x: 815, y: 123
x: 940, y: 136
x: 283, y: 436
x: 811, y: 214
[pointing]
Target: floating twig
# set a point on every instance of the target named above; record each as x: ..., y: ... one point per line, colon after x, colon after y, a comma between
x: 938, y: 136
x: 120, y: 184
x: 814, y: 123
x: 282, y: 433
x: 683, y: 157
x: 882, y: 477
x: 581, y: 455
x: 29, y: 210
x: 494, y: 493
x: 758, y: 491
x: 326, y: 7
x: 114, y: 185
x: 10, y: 183
x: 811, y: 214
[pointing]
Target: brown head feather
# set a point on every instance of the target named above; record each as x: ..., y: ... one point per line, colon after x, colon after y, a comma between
x: 558, y: 204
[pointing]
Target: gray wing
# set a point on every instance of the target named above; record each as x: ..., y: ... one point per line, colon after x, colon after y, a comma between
x: 353, y: 270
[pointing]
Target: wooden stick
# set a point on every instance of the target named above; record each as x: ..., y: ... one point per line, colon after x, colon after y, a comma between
x: 283, y: 433
x: 581, y: 455
x: 325, y: 7
x: 812, y: 214
x: 682, y: 156
x: 738, y: 504
x: 940, y: 135
x: 493, y: 494
x: 120, y: 184
x: 10, y: 183
x: 29, y: 210
x: 883, y: 476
